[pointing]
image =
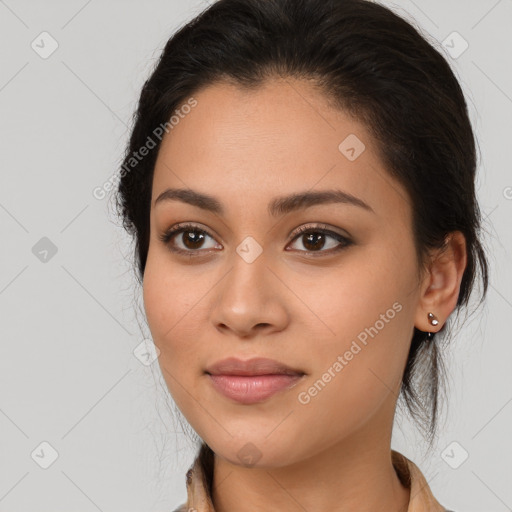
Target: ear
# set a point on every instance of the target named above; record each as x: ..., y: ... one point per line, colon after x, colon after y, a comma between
x: 441, y: 284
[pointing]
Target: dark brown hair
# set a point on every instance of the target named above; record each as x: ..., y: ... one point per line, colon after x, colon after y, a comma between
x: 372, y: 64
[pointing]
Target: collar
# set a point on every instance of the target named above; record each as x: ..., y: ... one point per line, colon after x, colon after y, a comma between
x: 199, y: 478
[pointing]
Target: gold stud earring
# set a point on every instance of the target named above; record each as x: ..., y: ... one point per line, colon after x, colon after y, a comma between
x: 434, y: 321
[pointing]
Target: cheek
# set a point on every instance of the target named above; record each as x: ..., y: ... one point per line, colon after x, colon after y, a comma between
x: 163, y: 313
x: 170, y: 295
x: 358, y: 368
x: 370, y: 288
x: 167, y: 302
x: 175, y: 302
x: 365, y: 315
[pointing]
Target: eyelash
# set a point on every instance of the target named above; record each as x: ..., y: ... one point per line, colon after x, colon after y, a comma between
x: 307, y: 229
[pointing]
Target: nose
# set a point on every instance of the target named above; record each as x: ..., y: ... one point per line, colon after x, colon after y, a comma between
x: 250, y: 300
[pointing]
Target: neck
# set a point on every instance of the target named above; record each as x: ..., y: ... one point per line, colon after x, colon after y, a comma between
x: 355, y: 475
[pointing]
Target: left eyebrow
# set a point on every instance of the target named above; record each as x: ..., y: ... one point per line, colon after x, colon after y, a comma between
x: 277, y: 207
x: 293, y: 202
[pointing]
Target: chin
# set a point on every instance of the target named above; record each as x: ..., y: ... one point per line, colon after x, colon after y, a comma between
x: 258, y: 450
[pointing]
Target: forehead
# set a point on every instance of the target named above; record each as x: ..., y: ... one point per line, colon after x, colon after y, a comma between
x: 281, y: 137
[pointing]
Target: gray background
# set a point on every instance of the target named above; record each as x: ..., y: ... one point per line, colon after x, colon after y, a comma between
x: 68, y: 374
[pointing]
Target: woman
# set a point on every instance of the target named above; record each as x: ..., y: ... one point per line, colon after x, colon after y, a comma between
x: 299, y: 183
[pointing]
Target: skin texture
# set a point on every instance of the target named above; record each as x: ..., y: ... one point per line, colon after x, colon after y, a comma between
x: 302, y: 309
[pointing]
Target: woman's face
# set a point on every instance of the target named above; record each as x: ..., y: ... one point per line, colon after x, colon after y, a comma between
x: 336, y: 304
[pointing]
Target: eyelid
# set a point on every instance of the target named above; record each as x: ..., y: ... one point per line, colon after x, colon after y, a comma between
x: 182, y: 227
x: 319, y: 226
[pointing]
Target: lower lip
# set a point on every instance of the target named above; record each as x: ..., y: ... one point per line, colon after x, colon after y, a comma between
x: 251, y: 389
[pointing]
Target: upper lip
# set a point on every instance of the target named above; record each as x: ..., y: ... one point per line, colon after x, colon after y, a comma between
x: 254, y: 366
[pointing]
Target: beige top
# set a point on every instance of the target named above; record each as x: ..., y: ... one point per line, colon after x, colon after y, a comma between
x: 200, y: 474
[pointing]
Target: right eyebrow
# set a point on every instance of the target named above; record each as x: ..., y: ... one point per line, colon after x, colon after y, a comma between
x: 191, y: 197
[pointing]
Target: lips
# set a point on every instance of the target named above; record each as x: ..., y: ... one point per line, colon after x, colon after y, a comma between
x: 250, y: 367
x: 252, y: 381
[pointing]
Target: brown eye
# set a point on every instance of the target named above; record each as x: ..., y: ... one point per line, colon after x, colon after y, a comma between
x: 319, y: 240
x: 192, y: 239
x: 186, y: 239
x: 313, y: 241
